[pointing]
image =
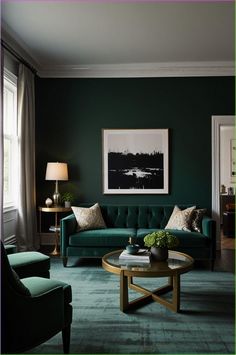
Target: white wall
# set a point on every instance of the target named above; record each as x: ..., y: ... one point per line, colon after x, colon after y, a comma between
x: 226, y: 134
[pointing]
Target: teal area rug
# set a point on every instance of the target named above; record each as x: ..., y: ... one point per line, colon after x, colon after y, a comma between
x: 205, y: 324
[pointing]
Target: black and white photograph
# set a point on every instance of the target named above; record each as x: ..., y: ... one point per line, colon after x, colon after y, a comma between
x: 135, y: 161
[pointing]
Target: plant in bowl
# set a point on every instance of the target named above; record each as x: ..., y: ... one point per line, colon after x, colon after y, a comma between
x: 160, y: 242
x: 67, y: 198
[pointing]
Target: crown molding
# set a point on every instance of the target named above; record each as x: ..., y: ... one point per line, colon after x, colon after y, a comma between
x: 139, y: 70
x: 131, y: 70
x: 19, y: 46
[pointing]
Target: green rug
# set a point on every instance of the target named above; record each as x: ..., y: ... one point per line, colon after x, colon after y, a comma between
x: 205, y: 324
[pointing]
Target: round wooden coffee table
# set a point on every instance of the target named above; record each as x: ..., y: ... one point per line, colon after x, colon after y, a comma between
x: 176, y: 264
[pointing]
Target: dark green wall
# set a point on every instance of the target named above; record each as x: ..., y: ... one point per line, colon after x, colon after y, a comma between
x: 70, y: 114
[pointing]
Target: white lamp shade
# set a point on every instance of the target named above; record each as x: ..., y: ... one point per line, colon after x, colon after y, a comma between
x: 56, y: 171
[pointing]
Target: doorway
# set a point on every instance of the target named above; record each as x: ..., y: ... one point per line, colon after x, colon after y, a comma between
x: 217, y: 123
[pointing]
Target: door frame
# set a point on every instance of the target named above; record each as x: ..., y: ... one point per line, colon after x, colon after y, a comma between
x: 216, y: 123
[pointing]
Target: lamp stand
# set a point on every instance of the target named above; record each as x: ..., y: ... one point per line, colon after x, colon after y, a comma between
x: 56, y: 195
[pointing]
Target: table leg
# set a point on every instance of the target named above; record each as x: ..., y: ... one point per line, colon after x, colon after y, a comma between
x: 123, y: 292
x: 170, y: 281
x: 56, y: 251
x: 176, y: 293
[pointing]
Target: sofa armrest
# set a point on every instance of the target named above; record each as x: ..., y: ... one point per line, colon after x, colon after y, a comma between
x: 68, y: 227
x: 209, y: 230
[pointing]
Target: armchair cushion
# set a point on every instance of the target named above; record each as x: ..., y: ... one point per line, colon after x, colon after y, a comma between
x: 38, y: 286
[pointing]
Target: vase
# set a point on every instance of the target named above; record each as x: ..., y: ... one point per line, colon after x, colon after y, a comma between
x: 67, y: 204
x: 159, y: 254
x: 48, y: 202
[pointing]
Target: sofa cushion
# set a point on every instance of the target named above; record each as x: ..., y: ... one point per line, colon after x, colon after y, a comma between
x: 186, y: 239
x: 180, y: 219
x: 89, y: 218
x: 113, y: 237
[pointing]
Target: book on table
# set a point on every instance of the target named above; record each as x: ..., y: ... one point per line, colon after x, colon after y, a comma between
x: 142, y: 256
x: 54, y: 229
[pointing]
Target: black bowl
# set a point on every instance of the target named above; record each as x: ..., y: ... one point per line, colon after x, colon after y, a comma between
x: 132, y: 248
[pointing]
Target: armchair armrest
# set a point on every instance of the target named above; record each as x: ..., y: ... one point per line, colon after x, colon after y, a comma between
x: 68, y: 227
x: 209, y: 230
x: 208, y: 227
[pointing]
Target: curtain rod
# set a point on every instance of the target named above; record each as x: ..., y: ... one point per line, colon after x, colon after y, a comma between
x: 17, y: 56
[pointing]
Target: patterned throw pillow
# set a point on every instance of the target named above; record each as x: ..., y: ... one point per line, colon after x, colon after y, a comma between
x: 89, y: 218
x: 196, y: 223
x: 180, y: 219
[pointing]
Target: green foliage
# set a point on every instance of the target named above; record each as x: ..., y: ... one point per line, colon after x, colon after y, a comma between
x: 67, y: 196
x: 161, y: 239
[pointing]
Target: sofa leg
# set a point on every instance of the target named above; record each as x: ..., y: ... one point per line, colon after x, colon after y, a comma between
x: 66, y: 339
x: 65, y: 259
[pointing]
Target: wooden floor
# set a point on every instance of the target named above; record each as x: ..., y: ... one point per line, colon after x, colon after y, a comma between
x: 225, y: 258
x: 227, y: 242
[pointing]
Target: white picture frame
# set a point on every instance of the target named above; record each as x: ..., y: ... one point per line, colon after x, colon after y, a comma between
x: 135, y: 161
x: 233, y: 159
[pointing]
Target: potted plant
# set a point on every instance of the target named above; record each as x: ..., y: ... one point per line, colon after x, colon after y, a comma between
x: 160, y: 242
x: 67, y: 198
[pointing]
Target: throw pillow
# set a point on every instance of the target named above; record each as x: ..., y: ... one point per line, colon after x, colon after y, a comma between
x: 180, y: 219
x: 196, y: 223
x: 89, y: 218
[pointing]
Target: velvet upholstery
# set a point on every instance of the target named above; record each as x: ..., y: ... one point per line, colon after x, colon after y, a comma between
x: 29, y: 319
x: 10, y: 248
x: 30, y: 263
x: 124, y: 221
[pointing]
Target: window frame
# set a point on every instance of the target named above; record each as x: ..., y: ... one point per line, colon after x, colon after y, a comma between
x: 10, y: 83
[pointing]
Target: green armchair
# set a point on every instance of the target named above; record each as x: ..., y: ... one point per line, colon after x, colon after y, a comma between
x: 33, y: 310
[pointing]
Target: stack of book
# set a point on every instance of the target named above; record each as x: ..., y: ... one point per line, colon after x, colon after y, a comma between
x: 54, y: 229
x: 143, y: 256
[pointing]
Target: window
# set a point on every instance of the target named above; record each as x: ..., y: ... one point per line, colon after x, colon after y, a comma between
x: 10, y: 183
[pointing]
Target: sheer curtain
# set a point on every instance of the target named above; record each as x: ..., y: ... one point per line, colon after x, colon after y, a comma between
x: 26, y: 229
x: 1, y: 147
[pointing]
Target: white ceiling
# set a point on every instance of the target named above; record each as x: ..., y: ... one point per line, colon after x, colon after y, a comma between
x: 79, y: 36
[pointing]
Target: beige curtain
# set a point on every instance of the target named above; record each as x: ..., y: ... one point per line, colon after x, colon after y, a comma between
x: 26, y: 229
x: 1, y: 147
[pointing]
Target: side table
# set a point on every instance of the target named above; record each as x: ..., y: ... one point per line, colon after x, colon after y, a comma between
x: 56, y: 227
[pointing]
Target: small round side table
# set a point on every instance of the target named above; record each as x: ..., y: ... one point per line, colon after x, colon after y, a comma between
x: 56, y: 227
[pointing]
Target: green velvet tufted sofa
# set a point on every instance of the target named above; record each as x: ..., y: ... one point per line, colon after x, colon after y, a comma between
x: 124, y: 221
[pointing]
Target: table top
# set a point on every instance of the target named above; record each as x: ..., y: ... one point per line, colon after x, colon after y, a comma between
x: 177, y: 263
x: 55, y: 209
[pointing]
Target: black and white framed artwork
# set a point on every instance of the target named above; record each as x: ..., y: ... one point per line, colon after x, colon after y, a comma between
x: 135, y: 161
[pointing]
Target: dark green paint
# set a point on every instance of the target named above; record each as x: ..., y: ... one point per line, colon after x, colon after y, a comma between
x: 70, y: 114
